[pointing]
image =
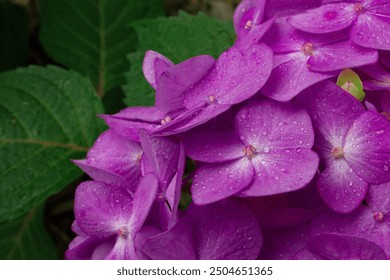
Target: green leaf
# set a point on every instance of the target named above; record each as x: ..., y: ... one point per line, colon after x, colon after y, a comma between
x: 93, y: 36
x: 178, y: 38
x: 47, y: 117
x: 26, y: 238
x: 351, y: 82
x: 13, y: 36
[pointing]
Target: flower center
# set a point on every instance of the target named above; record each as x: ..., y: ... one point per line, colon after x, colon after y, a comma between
x: 165, y: 120
x: 123, y: 232
x: 248, y: 24
x: 249, y: 151
x: 337, y: 152
x: 308, y: 49
x: 212, y: 99
x: 378, y: 217
x: 358, y: 8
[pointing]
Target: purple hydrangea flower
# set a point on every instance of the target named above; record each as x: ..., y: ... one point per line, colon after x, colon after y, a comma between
x: 111, y: 216
x: 370, y: 221
x: 302, y: 59
x: 368, y: 19
x: 353, y: 144
x: 381, y: 77
x: 223, y: 230
x: 268, y: 153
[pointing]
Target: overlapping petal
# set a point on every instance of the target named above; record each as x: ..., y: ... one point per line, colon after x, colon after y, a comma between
x: 153, y: 66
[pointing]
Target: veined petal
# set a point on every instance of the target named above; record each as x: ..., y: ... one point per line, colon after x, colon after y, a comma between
x: 325, y: 19
x: 179, y: 78
x: 214, y: 146
x: 367, y: 147
x: 270, y: 125
x: 378, y: 199
x: 332, y: 110
x: 143, y: 200
x: 235, y: 77
x: 247, y: 10
x: 216, y: 181
x: 225, y: 230
x: 341, y: 188
x: 344, y: 247
x: 154, y: 65
x: 162, y: 154
x: 101, y: 209
x: 291, y: 77
x: 282, y: 171
x: 340, y: 56
x: 191, y: 118
x: 280, y: 8
x: 123, y: 250
x: 371, y: 31
x: 175, y: 244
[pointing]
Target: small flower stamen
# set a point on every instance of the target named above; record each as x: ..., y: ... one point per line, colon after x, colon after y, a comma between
x: 167, y: 119
x: 248, y: 25
x: 308, y: 49
x: 123, y: 232
x: 387, y: 115
x: 337, y: 152
x: 378, y: 217
x: 212, y: 99
x: 249, y: 151
x: 358, y: 8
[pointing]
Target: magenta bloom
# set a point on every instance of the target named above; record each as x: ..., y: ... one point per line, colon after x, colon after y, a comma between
x: 225, y: 230
x: 353, y: 144
x: 111, y: 217
x: 301, y: 59
x: 369, y: 21
x: 268, y: 153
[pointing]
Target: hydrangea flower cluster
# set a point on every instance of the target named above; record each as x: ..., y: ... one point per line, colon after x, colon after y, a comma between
x: 279, y: 161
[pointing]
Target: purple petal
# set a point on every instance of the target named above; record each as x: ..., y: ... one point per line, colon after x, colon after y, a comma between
x: 344, y: 247
x: 162, y: 154
x: 123, y: 250
x: 216, y: 181
x: 333, y: 111
x: 378, y: 199
x: 341, y: 55
x: 116, y: 154
x: 174, y: 189
x: 234, y: 78
x: 143, y: 200
x: 128, y: 121
x: 247, y: 10
x: 340, y: 187
x: 269, y: 125
x: 82, y: 248
x: 256, y: 32
x: 190, y: 119
x: 225, y: 230
x: 379, y: 7
x: 102, y: 175
x: 154, y: 65
x: 179, y: 78
x: 100, y: 209
x: 291, y: 77
x: 325, y: 19
x: 288, y: 7
x: 367, y: 147
x: 214, y: 146
x: 371, y: 31
x: 174, y: 244
x: 282, y: 171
